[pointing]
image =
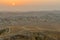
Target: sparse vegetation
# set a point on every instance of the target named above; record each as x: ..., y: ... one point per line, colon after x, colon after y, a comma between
x: 32, y: 27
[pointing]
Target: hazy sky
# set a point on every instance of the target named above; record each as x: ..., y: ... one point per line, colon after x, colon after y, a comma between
x: 29, y: 5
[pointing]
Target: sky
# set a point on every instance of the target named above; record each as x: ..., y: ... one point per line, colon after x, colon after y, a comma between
x: 29, y: 5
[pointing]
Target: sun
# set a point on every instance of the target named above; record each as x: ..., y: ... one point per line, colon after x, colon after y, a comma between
x: 13, y: 4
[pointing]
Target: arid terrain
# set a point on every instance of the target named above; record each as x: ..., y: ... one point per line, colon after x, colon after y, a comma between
x: 39, y: 25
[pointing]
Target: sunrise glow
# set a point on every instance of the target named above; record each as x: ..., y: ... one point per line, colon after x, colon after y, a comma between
x: 13, y: 4
x: 25, y: 2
